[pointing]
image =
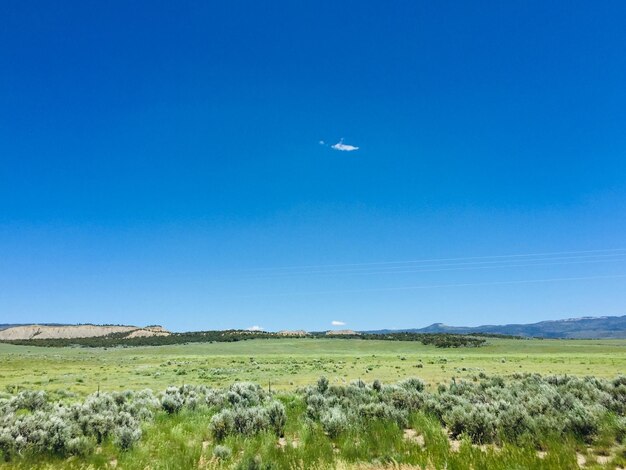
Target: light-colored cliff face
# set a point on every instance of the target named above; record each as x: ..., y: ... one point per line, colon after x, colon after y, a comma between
x: 293, y: 333
x: 77, y: 331
x: 341, y: 332
x: 145, y: 332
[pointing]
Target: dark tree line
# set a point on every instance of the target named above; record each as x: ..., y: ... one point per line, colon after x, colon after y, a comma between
x: 440, y: 340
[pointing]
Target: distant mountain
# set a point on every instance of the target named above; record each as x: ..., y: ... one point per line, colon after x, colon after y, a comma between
x: 585, y: 327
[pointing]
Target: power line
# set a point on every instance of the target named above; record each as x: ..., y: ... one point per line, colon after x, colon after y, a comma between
x: 426, y: 260
x: 491, y: 264
x: 437, y: 286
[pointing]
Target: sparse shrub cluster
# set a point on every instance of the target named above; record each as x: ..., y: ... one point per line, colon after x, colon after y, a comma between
x: 222, y: 452
x: 527, y: 406
x: 340, y: 408
x: 30, y: 423
x: 522, y: 407
x: 190, y: 397
x: 247, y: 410
x: 248, y: 421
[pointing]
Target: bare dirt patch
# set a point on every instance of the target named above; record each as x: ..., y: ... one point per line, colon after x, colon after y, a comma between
x: 411, y: 435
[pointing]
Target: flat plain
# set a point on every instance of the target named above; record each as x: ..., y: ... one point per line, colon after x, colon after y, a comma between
x: 292, y: 362
x: 194, y: 415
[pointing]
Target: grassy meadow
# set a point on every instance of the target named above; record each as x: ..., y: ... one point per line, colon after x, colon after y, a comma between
x: 288, y: 363
x: 207, y: 419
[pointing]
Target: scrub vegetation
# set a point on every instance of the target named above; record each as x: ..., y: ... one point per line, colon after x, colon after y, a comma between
x: 315, y: 403
x: 522, y: 421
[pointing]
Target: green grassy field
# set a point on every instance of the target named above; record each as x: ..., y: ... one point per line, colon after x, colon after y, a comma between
x: 288, y: 363
x: 183, y: 440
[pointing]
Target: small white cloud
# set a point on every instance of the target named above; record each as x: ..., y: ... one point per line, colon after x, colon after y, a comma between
x: 255, y: 328
x: 344, y: 147
x: 337, y: 323
x: 322, y: 142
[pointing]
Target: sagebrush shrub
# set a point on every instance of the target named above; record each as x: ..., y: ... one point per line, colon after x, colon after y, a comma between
x: 316, y: 403
x: 126, y: 436
x: 520, y: 408
x: 30, y: 422
x: 249, y: 421
x: 322, y: 385
x: 513, y: 422
x: 277, y: 417
x: 334, y: 422
x: 79, y: 445
x: 172, y: 400
x: 222, y: 452
x: 246, y: 394
x: 412, y: 383
x: 30, y: 400
x: 222, y: 424
x: 98, y: 424
x: 7, y: 443
x: 384, y: 411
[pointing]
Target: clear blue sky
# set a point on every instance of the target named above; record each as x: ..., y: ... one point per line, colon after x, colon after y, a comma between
x: 160, y: 162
